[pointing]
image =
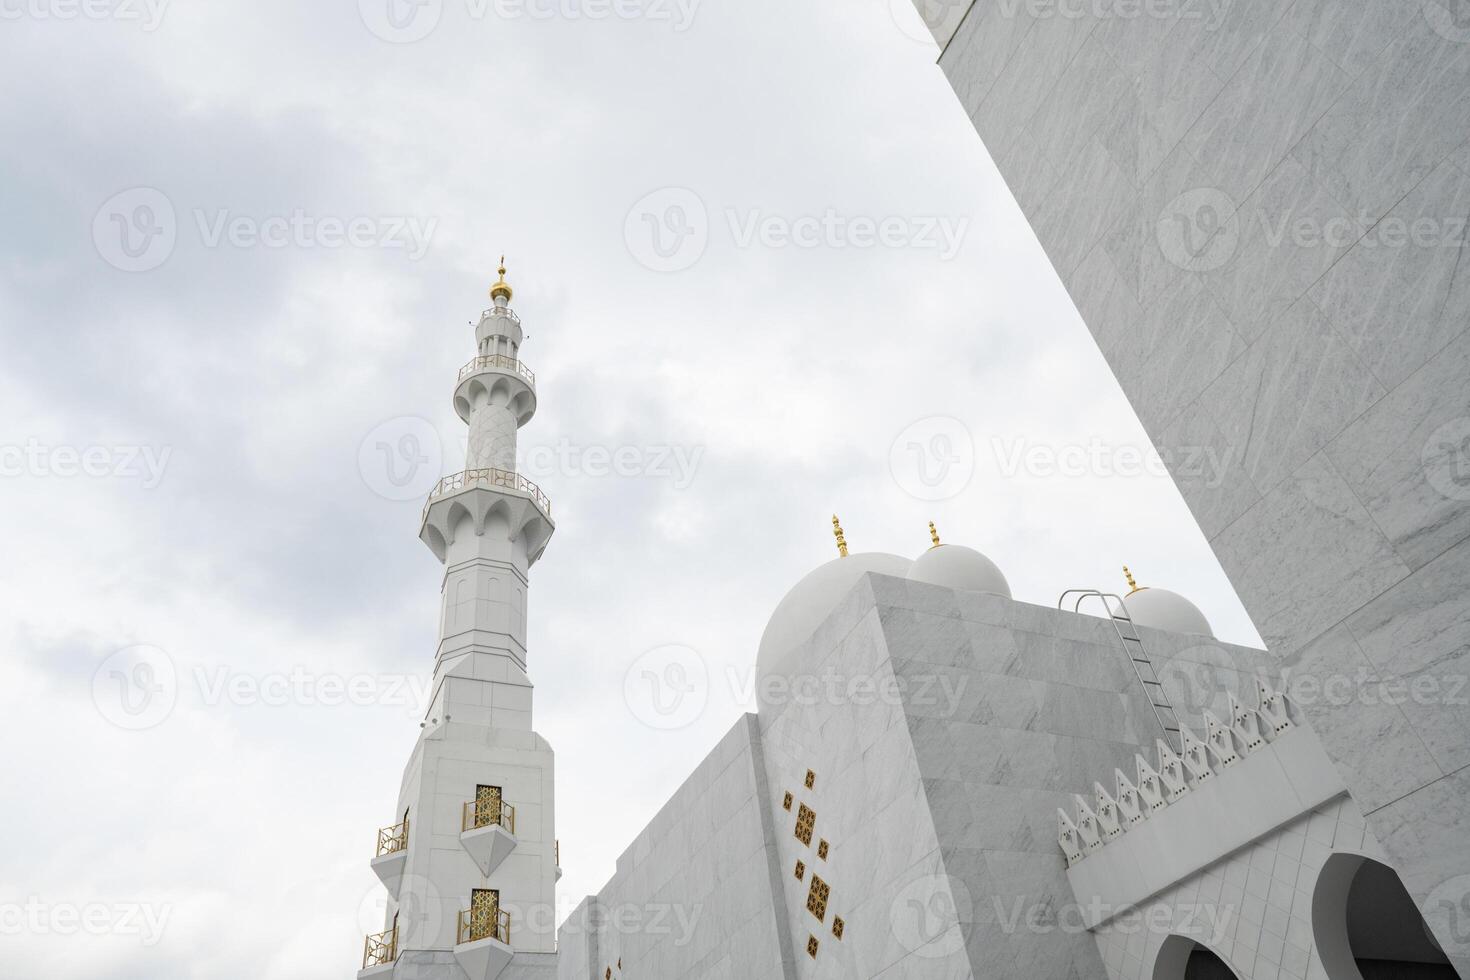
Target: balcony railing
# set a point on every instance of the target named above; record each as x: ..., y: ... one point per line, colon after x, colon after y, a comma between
x: 502, y: 361
x: 393, y: 839
x: 507, y: 312
x: 473, y: 927
x: 490, y: 477
x: 381, y: 949
x: 481, y: 814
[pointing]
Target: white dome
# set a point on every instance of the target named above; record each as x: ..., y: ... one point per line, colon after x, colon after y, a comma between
x: 799, y: 614
x: 1165, y: 610
x: 956, y: 567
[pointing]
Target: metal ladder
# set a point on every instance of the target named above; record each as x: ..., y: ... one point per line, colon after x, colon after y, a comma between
x: 1143, y: 668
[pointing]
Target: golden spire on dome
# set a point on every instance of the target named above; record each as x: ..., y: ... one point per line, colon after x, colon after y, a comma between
x: 501, y: 288
x: 933, y: 534
x: 1131, y: 583
x: 837, y: 532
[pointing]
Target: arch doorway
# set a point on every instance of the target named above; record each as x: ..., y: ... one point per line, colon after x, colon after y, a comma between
x: 1184, y: 959
x: 1367, y: 926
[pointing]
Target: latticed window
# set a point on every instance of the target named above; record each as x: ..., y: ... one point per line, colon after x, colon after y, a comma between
x: 487, y: 806
x: 484, y: 912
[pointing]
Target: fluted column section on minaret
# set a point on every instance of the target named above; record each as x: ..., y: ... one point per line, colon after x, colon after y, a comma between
x: 492, y: 434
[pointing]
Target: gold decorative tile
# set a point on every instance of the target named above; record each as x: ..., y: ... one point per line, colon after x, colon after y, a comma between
x: 800, y: 870
x: 811, y: 946
x: 806, y: 821
x: 816, y: 899
x: 822, y: 850
x: 786, y: 803
x: 811, y: 779
x: 837, y: 926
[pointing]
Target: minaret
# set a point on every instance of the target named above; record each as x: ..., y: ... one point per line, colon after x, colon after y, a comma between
x: 471, y: 862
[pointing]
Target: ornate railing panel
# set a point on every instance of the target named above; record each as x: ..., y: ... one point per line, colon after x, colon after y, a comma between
x: 501, y: 361
x: 490, y: 477
x: 393, y: 839
x: 381, y: 949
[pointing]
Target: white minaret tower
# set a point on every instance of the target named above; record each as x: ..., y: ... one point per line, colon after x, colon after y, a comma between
x: 470, y: 862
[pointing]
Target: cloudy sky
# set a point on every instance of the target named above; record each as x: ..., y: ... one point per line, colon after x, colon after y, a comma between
x: 766, y: 268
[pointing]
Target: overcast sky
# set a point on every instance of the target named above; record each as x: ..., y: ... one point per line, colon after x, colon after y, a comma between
x: 767, y: 272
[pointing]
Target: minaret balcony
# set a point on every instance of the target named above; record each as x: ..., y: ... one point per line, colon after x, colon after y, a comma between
x: 479, y: 493
x: 491, y: 479
x: 392, y: 855
x: 482, y: 946
x: 498, y: 362
x: 488, y: 833
x: 500, y: 379
x: 379, y: 953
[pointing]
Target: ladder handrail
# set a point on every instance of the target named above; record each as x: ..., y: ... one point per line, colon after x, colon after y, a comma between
x: 1116, y: 618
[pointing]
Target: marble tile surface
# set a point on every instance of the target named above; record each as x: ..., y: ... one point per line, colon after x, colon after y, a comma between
x: 1293, y: 391
x: 1091, y: 194
x: 1398, y: 297
x: 1408, y: 461
x: 1352, y: 32
x: 1275, y: 97
x: 1209, y: 470
x: 1288, y: 233
x: 1168, y: 230
x: 1394, y: 124
x: 1380, y: 755
x: 1306, y: 556
x: 1192, y: 343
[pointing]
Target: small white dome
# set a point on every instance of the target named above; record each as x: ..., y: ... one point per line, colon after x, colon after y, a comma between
x: 798, y: 615
x: 1165, y: 610
x: 956, y: 567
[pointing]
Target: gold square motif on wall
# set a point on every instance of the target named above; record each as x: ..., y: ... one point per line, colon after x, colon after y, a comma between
x: 816, y: 899
x: 811, y: 946
x: 806, y: 821
x: 811, y: 779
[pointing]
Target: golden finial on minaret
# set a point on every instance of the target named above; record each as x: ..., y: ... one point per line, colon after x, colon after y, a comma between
x: 1129, y: 576
x: 933, y: 534
x: 501, y: 288
x: 841, y: 541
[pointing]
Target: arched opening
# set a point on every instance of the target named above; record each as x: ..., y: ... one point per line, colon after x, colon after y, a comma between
x: 1181, y: 958
x: 1367, y: 926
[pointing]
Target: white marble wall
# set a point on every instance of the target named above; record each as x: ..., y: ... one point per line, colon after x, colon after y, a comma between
x: 1253, y: 909
x: 1259, y: 208
x: 692, y: 896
